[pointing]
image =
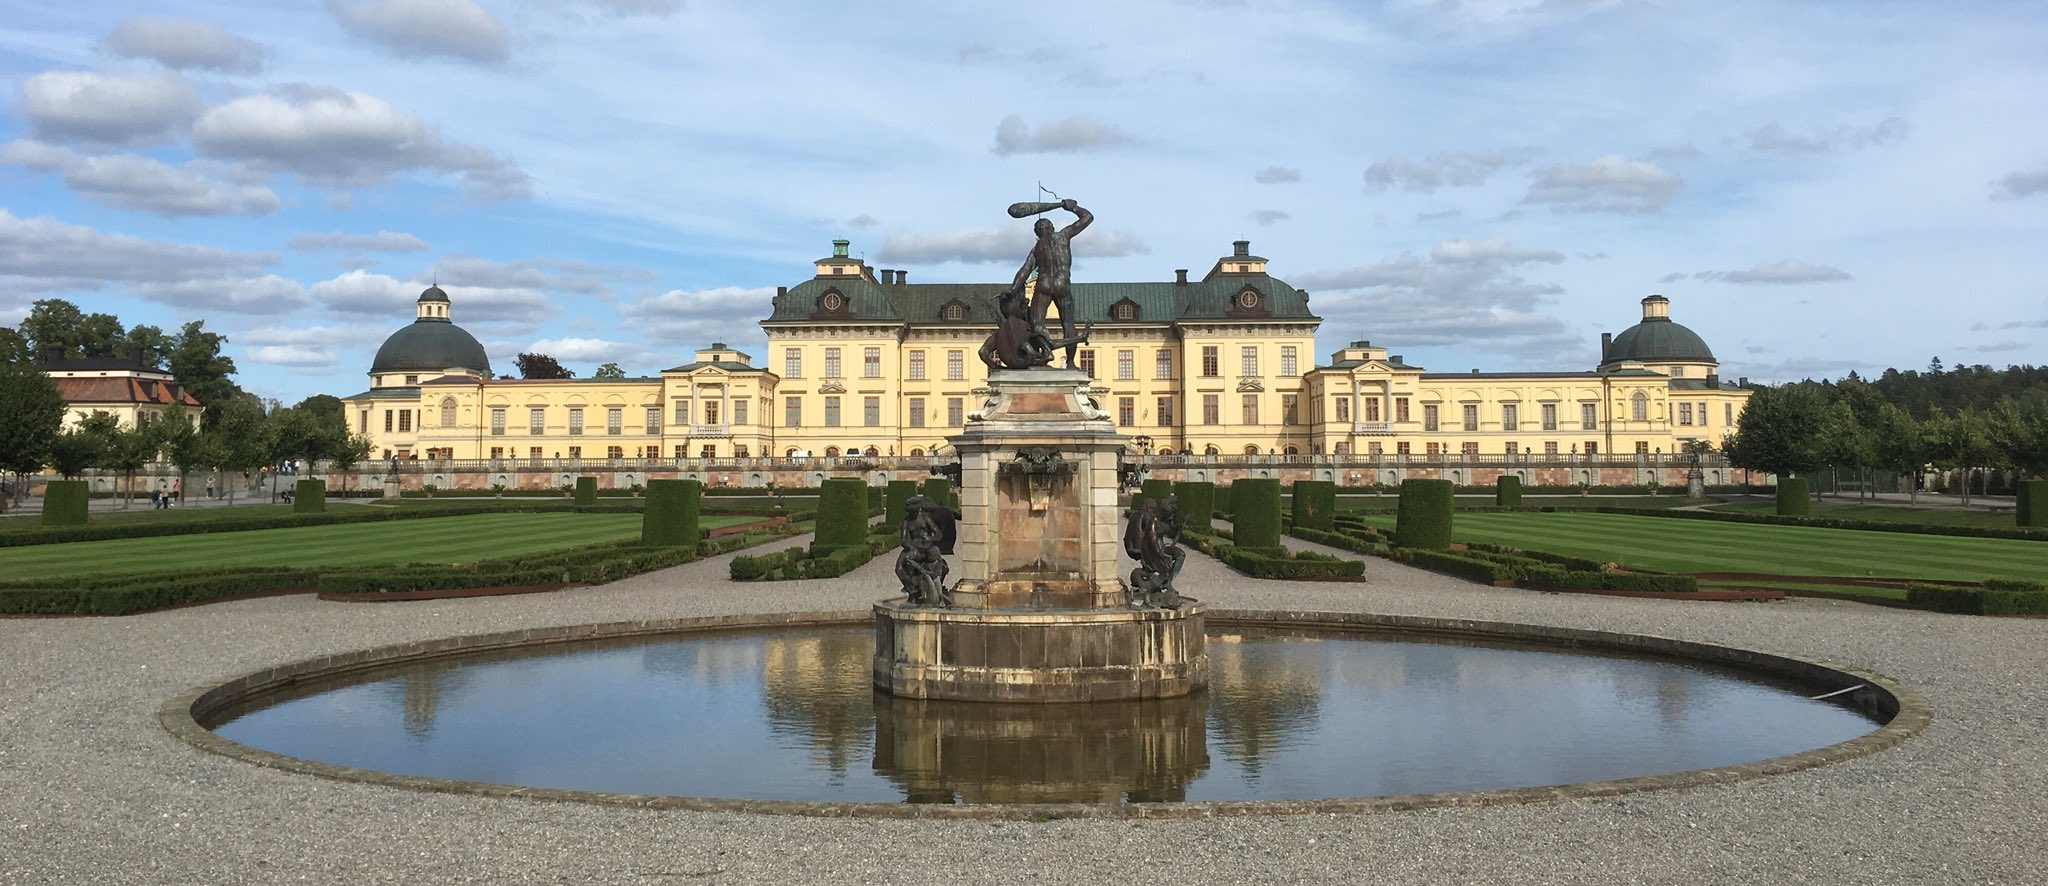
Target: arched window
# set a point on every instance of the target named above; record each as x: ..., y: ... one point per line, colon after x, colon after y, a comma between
x: 791, y: 453
x: 448, y: 412
x: 1123, y: 310
x: 916, y: 453
x: 1343, y: 449
x: 1290, y: 451
x: 1251, y: 450
x: 872, y: 452
x: 1211, y: 450
x: 1165, y: 450
x: 953, y: 312
x: 1639, y: 406
x: 831, y: 452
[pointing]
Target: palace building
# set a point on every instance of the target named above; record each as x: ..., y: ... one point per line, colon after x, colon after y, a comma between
x: 861, y: 361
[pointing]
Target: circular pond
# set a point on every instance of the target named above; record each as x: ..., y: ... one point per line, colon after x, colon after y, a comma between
x: 1292, y: 714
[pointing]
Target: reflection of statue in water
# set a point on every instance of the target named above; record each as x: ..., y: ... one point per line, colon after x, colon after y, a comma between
x: 1150, y: 538
x: 921, y: 563
x: 1052, y: 257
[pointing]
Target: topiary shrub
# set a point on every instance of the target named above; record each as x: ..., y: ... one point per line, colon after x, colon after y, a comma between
x: 1422, y: 517
x: 1197, y: 502
x: 939, y: 489
x: 2030, y: 503
x: 309, y: 497
x: 586, y: 490
x: 893, y: 497
x: 671, y: 515
x: 1224, y: 502
x: 1158, y: 489
x: 1507, y: 491
x: 64, y: 502
x: 1792, y: 500
x: 1256, y: 522
x: 842, y: 514
x: 1315, y: 504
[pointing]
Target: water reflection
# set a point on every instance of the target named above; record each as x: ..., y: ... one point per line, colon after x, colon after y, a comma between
x: 792, y: 715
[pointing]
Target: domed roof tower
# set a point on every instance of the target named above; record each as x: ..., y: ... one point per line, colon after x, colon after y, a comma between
x: 1659, y: 344
x: 432, y: 344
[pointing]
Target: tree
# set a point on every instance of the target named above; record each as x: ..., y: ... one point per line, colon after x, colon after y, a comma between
x: 52, y: 323
x: 153, y: 345
x: 1845, y: 443
x: 100, y: 335
x: 1958, y: 443
x: 196, y: 362
x: 176, y: 438
x: 14, y: 348
x: 327, y: 408
x: 31, y: 414
x: 1897, y: 446
x: 127, y: 449
x: 353, y: 450
x: 609, y: 371
x: 1780, y: 432
x: 533, y: 366
x: 238, y: 441
x: 73, y: 451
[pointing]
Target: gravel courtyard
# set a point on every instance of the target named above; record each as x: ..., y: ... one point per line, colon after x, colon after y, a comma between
x: 94, y: 790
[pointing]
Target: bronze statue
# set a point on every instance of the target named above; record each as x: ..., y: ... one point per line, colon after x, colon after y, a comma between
x: 920, y: 563
x: 1052, y: 257
x: 1015, y: 343
x: 1151, y: 538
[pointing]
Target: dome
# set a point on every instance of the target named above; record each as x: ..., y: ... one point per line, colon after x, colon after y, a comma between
x: 433, y: 293
x: 431, y: 345
x: 1658, y: 340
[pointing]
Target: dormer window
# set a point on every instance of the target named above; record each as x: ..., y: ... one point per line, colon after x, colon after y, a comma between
x: 953, y: 312
x: 1125, y: 310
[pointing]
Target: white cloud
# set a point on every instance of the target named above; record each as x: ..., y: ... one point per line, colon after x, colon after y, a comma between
x: 1774, y: 139
x: 2015, y: 185
x: 362, y: 292
x: 1273, y: 175
x: 727, y: 313
x: 1465, y: 291
x: 382, y: 241
x: 1609, y: 184
x: 587, y: 350
x: 1013, y: 136
x: 1788, y: 272
x: 177, y: 43
x: 1494, y: 252
x: 110, y: 108
x: 43, y: 255
x: 268, y: 294
x: 658, y: 8
x: 294, y: 356
x: 1266, y: 218
x: 1433, y: 172
x: 130, y: 181
x: 534, y: 273
x: 346, y: 139
x: 1005, y: 244
x: 454, y: 28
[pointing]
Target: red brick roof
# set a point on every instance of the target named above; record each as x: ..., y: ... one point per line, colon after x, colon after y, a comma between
x: 124, y: 390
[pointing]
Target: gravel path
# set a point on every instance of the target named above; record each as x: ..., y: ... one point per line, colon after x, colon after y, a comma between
x: 93, y: 790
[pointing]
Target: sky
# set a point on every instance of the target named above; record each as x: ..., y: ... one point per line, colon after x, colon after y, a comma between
x: 1818, y: 187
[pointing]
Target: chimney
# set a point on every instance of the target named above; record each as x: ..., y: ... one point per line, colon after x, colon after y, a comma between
x: 53, y: 354
x: 1395, y: 359
x: 839, y: 248
x: 1180, y: 276
x: 901, y: 277
x: 1742, y: 381
x: 1606, y: 344
x: 884, y: 276
x: 142, y: 358
x: 1241, y: 248
x: 780, y: 291
x: 1713, y: 379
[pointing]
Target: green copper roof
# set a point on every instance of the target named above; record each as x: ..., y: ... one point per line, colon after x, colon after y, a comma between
x: 431, y: 345
x: 1162, y: 302
x: 1659, y: 339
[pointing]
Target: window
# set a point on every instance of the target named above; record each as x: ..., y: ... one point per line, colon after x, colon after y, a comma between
x: 1429, y: 416
x: 1248, y: 360
x: 682, y: 412
x: 1372, y: 409
x: 536, y: 420
x: 792, y: 412
x: 1401, y: 449
x: 1685, y: 413
x: 1510, y: 416
x: 1126, y: 365
x: 711, y: 412
x: 1549, y: 411
x: 1703, y: 413
x: 1162, y: 364
x: 1433, y: 449
x: 404, y: 420
x: 871, y: 411
x: 1400, y: 408
x: 1251, y: 409
x: 1287, y: 362
x: 792, y: 364
x: 917, y: 365
x: 956, y: 364
x: 448, y: 412
x: 956, y: 411
x: 1639, y: 406
x: 1123, y: 311
x: 614, y: 452
x: 1374, y: 449
x: 1287, y: 405
x: 831, y: 412
x: 1126, y: 411
x: 362, y: 422
x: 1642, y: 447
x: 739, y: 412
x: 1210, y: 409
x: 1470, y: 448
x: 1469, y: 415
x: 412, y: 379
x: 1589, y: 416
x: 1511, y: 448
x: 710, y: 451
x: 1343, y: 409
x: 1209, y: 362
x: 575, y: 452
x: 1550, y: 448
x: 953, y: 312
x: 916, y: 410
x: 497, y: 452
x: 615, y: 420
x: 575, y: 420
x: 1592, y: 447
x: 653, y: 419
x: 498, y: 421
x: 1086, y: 360
x: 533, y: 453
x: 739, y: 450
x: 388, y: 419
x: 871, y: 363
x: 831, y: 362
x: 1727, y: 413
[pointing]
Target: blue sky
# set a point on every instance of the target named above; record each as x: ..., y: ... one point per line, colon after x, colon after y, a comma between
x: 1818, y: 187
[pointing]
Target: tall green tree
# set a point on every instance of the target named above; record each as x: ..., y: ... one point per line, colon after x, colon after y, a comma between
x: 182, y: 443
x: 533, y: 366
x: 609, y: 371
x: 151, y: 342
x: 197, y: 363
x: 2020, y: 437
x: 14, y: 348
x: 53, y: 323
x: 1780, y: 432
x: 238, y: 442
x: 1897, y: 445
x: 1956, y: 442
x: 128, y: 449
x: 73, y: 451
x: 1846, y: 444
x: 31, y: 414
x: 353, y: 449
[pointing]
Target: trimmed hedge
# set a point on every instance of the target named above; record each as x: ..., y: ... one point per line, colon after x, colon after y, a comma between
x: 586, y: 490
x: 2030, y: 503
x: 893, y: 497
x: 65, y: 501
x: 1474, y: 568
x: 842, y: 513
x: 1226, y: 501
x: 799, y: 562
x: 1507, y: 491
x: 1158, y: 489
x: 1367, y: 542
x: 309, y: 497
x: 1197, y: 503
x: 1256, y: 522
x: 1994, y: 598
x: 1275, y: 562
x: 1422, y: 518
x: 1792, y: 500
x: 940, y: 489
x: 1315, y: 503
x: 671, y: 515
x: 1824, y: 522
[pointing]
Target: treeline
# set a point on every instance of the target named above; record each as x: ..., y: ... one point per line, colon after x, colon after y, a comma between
x: 1973, y: 420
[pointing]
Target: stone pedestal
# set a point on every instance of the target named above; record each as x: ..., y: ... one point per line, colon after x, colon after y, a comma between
x: 1039, y: 613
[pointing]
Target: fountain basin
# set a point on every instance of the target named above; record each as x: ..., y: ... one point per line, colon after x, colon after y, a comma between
x: 1039, y: 656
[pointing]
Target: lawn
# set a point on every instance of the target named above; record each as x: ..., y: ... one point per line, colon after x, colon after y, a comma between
x: 1687, y: 546
x: 1348, y: 501
x: 1934, y: 516
x: 440, y: 539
